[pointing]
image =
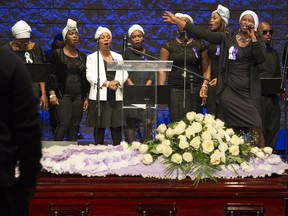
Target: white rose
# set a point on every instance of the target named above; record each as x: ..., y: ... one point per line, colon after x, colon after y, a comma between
x: 260, y: 154
x: 170, y: 132
x: 147, y: 159
x: 187, y: 156
x: 268, y: 150
x: 230, y: 131
x: 235, y: 140
x: 159, y: 148
x: 182, y: 138
x: 215, y: 158
x: 167, y: 151
x: 176, y: 158
x: 199, y: 117
x: 208, y: 146
x: 254, y: 150
x: 189, y: 132
x: 160, y: 137
x: 183, y: 144
x: 180, y: 128
x: 166, y: 142
x: 124, y: 144
x: 234, y: 150
x: 195, y: 142
x: 219, y: 124
x: 209, y: 119
x: 220, y: 133
x: 143, y: 148
x: 223, y: 147
x: 190, y: 116
x: 135, y: 145
x: 241, y: 140
x: 162, y: 128
x: 197, y: 127
x: 206, y: 135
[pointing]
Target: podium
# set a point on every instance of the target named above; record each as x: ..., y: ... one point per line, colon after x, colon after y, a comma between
x: 140, y: 101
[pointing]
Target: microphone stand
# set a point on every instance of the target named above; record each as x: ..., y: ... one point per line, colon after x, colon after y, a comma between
x: 185, y: 68
x: 98, y: 92
x: 283, y: 86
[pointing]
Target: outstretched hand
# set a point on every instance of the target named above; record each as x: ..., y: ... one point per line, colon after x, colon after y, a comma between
x: 169, y: 17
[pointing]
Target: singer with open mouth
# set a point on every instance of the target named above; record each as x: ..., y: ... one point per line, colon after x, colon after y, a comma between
x: 238, y: 93
x: 196, y: 60
x: 110, y: 89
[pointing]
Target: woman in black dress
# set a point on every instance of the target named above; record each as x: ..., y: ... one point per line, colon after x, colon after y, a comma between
x: 238, y: 91
x: 68, y: 94
x: 136, y: 117
x: 197, y: 61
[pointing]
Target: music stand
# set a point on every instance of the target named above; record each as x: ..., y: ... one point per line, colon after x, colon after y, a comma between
x: 39, y: 71
x: 150, y: 95
x: 271, y: 85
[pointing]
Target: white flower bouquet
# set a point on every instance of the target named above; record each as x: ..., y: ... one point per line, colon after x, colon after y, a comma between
x: 198, y: 146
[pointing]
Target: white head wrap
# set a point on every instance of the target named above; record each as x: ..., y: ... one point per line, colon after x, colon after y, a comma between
x: 180, y: 15
x: 101, y: 30
x: 254, y: 15
x: 134, y: 28
x: 21, y: 30
x: 71, y: 25
x: 224, y: 13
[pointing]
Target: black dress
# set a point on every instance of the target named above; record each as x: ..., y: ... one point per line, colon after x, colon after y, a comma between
x: 236, y: 108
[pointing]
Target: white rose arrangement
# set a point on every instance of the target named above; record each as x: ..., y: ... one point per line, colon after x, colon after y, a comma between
x: 201, y: 145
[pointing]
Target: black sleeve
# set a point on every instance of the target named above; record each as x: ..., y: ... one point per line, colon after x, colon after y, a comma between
x: 24, y: 120
x: 202, y: 33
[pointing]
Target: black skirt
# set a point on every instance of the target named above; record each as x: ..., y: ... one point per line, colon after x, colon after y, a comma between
x: 110, y: 114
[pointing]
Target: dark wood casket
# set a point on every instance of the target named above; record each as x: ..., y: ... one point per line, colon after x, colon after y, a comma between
x: 129, y: 195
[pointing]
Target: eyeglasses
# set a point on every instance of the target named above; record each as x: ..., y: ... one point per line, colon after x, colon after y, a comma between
x: 266, y: 31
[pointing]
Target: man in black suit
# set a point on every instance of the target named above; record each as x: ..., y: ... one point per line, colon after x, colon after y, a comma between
x: 20, y: 137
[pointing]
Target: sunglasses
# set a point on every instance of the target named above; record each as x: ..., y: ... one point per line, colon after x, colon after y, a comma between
x: 265, y: 32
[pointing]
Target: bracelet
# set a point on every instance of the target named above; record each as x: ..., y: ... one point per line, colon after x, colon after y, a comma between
x: 107, y: 84
x: 51, y: 96
x: 205, y: 86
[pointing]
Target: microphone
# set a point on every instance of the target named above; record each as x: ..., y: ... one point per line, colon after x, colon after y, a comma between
x: 185, y: 37
x: 125, y: 43
x: 250, y: 27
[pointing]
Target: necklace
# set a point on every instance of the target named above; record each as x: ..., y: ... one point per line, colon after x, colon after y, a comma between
x: 243, y: 40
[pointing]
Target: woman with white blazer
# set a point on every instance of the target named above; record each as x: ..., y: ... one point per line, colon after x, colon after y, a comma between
x: 110, y: 94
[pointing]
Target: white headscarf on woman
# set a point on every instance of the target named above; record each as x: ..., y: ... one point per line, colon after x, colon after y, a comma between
x: 100, y: 31
x: 71, y: 25
x: 254, y: 15
x: 21, y: 30
x: 134, y: 28
x: 180, y: 15
x: 224, y: 13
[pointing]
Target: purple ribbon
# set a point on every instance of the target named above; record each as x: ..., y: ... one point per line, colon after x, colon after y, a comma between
x: 217, y: 50
x: 195, y: 52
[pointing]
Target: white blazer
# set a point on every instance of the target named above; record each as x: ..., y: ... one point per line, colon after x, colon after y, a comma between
x: 91, y: 74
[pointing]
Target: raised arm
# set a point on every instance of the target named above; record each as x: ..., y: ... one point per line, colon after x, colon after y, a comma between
x: 198, y: 31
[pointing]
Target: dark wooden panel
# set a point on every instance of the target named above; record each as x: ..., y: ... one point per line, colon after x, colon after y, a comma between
x: 119, y: 196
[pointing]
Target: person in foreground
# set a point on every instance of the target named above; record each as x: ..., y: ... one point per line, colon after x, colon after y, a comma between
x: 110, y: 93
x: 270, y: 110
x: 238, y: 91
x: 20, y: 137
